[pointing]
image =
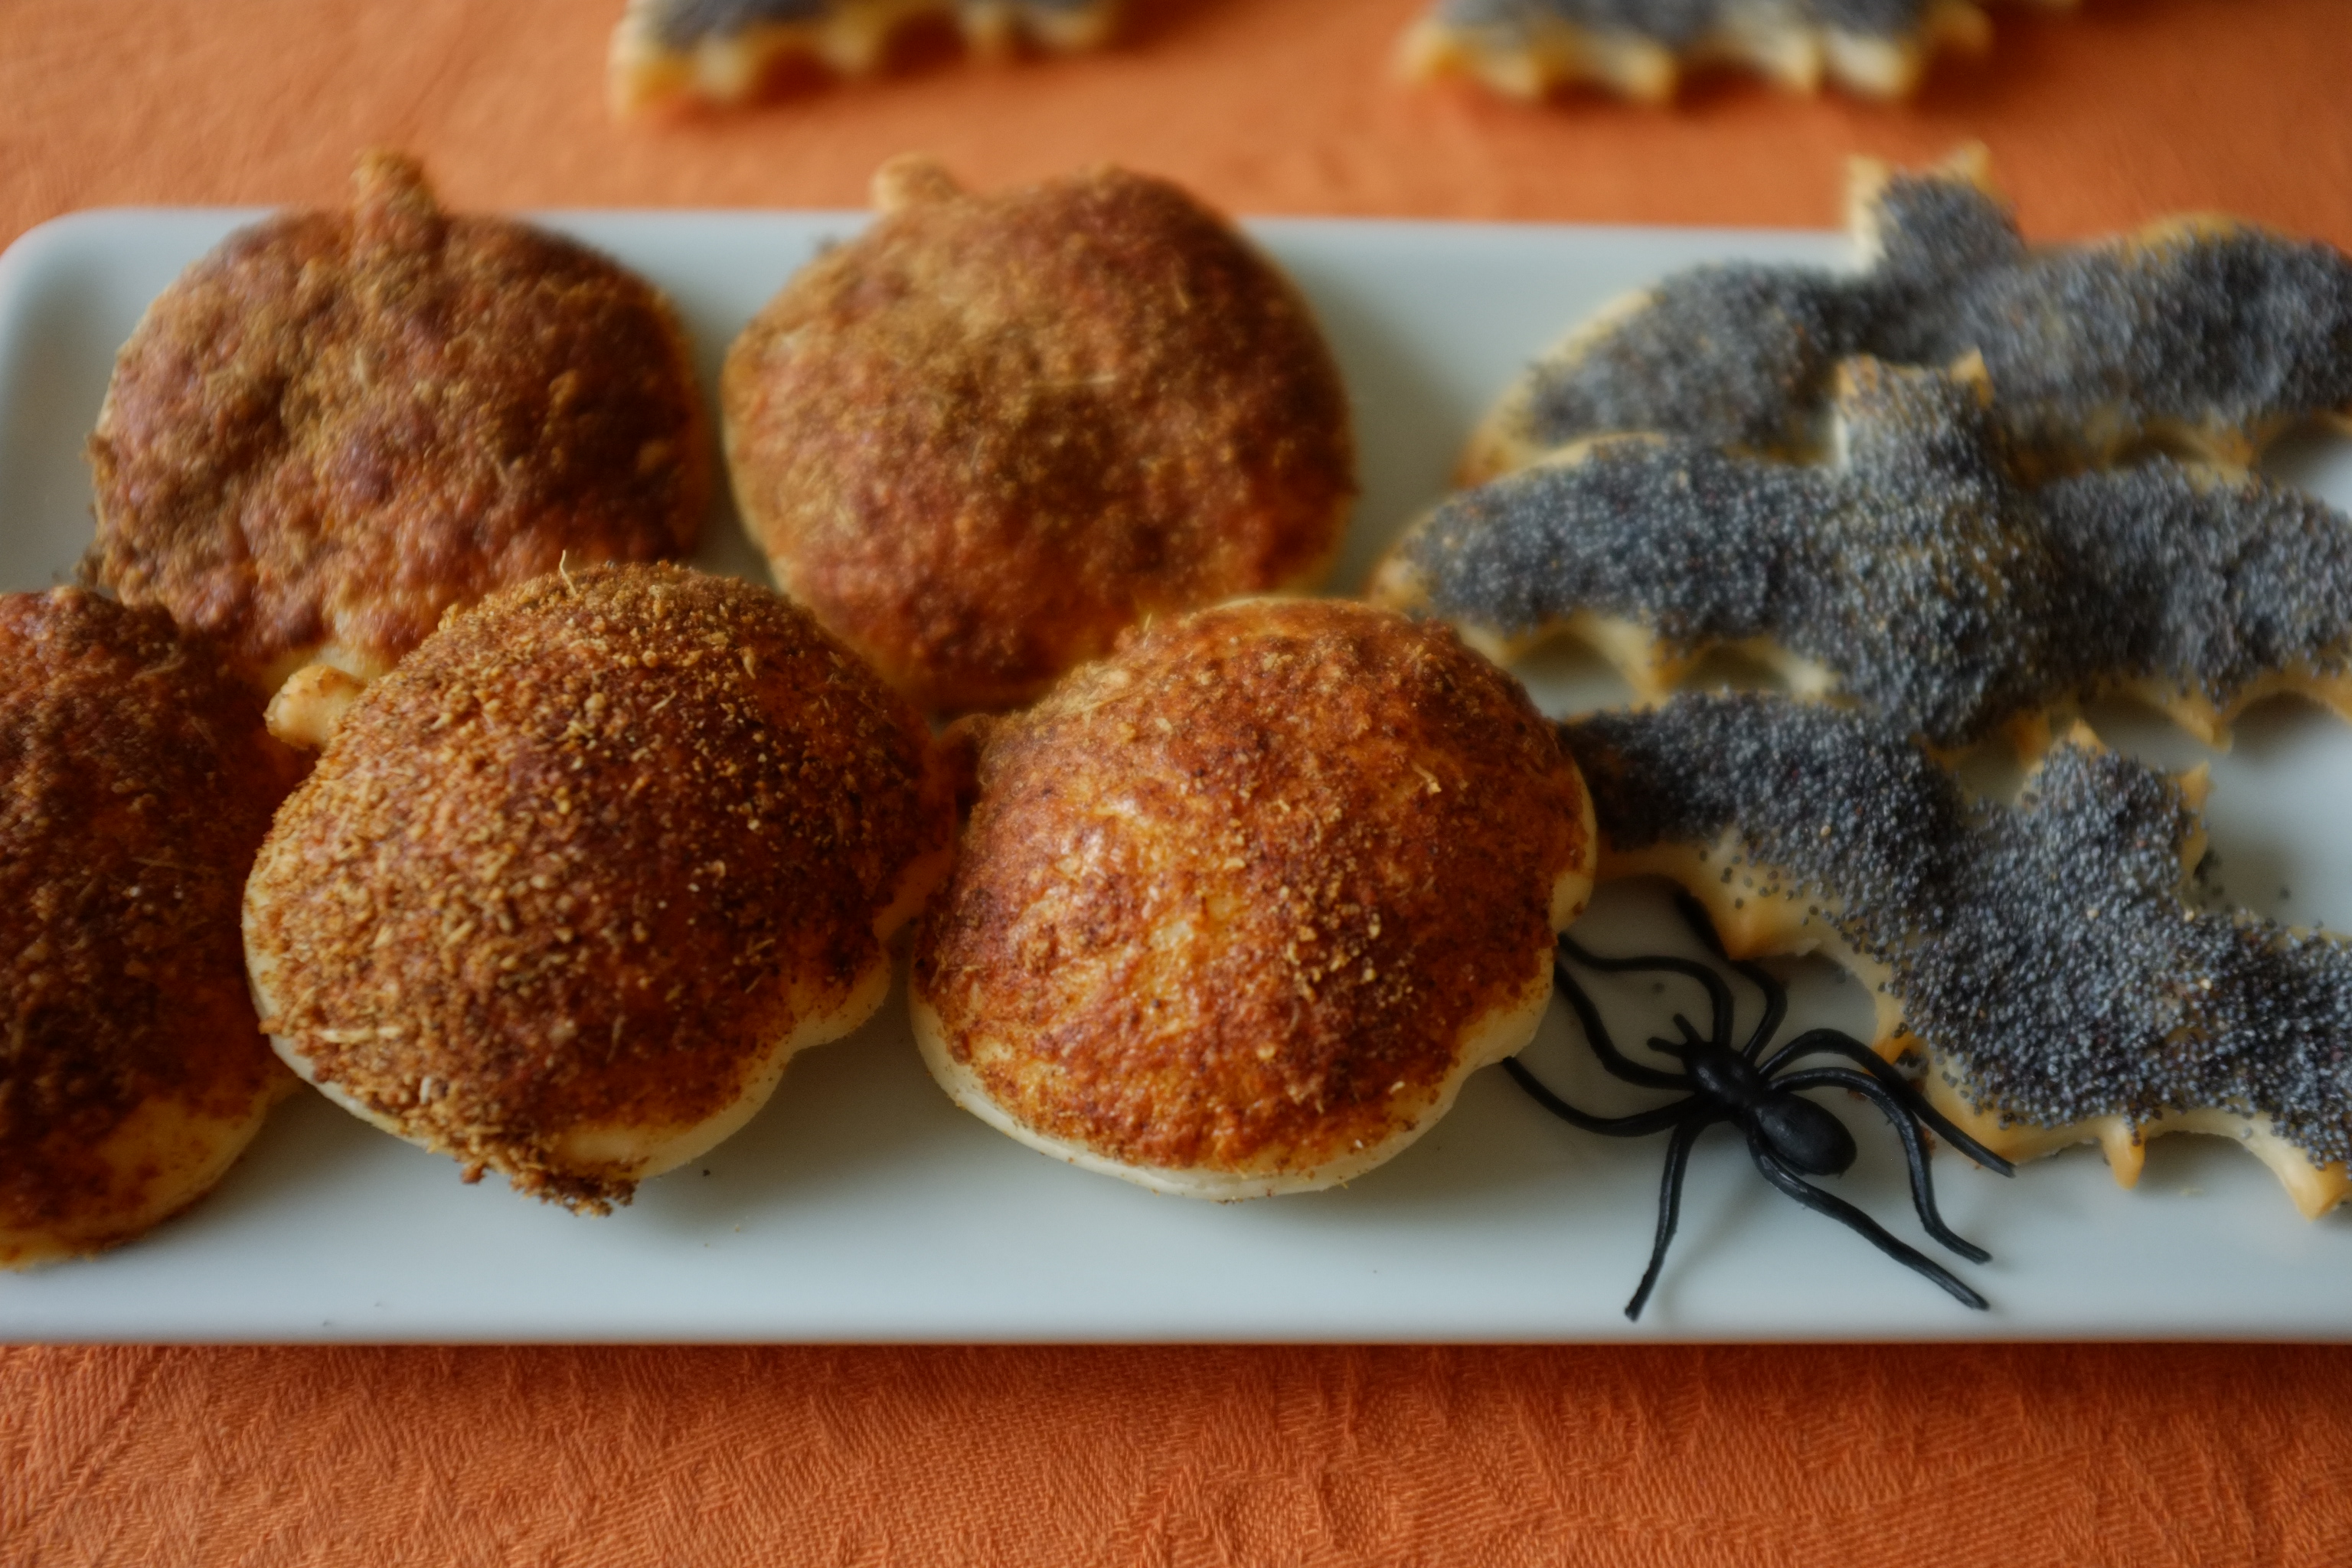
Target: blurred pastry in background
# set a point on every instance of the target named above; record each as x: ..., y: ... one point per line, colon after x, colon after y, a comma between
x: 136, y: 781
x: 724, y: 51
x: 992, y: 431
x: 2202, y: 336
x: 337, y: 424
x: 1241, y: 906
x: 1639, y: 48
x: 569, y: 886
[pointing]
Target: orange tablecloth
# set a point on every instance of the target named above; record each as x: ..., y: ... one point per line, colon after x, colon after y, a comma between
x: 2145, y: 1455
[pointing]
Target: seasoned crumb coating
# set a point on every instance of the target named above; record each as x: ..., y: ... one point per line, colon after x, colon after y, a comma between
x: 136, y: 781
x: 339, y: 423
x: 569, y: 885
x: 1240, y: 905
x: 992, y: 431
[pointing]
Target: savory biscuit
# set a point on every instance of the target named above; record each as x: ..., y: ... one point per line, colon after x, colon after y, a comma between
x: 337, y: 424
x: 1524, y: 49
x: 992, y: 431
x: 2041, y: 955
x: 721, y: 51
x: 136, y: 781
x: 2201, y: 336
x: 570, y: 885
x: 1918, y: 575
x: 1241, y: 906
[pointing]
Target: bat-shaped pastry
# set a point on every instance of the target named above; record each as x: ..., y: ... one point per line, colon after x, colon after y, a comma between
x: 1522, y: 48
x: 2040, y: 954
x: 1918, y: 575
x: 719, y: 51
x: 2200, y: 335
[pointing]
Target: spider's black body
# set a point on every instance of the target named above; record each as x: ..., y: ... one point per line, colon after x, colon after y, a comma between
x: 1789, y: 1137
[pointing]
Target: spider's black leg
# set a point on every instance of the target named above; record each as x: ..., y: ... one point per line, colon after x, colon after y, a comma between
x: 1820, y: 1201
x: 1914, y: 1150
x: 1670, y: 1210
x: 1597, y: 1035
x: 1776, y: 1007
x: 1639, y: 1125
x: 1817, y: 1041
x: 1691, y: 1040
x: 1718, y: 995
x: 1813, y: 1041
x: 1776, y: 995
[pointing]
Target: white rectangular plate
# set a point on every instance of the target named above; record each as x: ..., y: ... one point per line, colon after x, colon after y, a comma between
x: 861, y: 1205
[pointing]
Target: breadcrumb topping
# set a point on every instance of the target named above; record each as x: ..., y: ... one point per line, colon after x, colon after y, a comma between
x: 582, y: 858
x: 1231, y: 899
x: 337, y: 424
x: 136, y: 782
x: 994, y: 431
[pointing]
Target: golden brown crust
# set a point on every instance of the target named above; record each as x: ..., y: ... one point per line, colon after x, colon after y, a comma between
x: 1232, y: 899
x: 581, y: 859
x: 992, y: 431
x: 136, y: 781
x: 337, y: 424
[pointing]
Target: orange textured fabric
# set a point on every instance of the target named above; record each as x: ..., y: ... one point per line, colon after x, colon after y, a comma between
x: 2104, y: 118
x: 2148, y: 1454
x: 2155, y: 1456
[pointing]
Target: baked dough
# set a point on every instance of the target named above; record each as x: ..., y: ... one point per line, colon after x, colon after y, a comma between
x: 136, y: 781
x: 2040, y: 958
x: 721, y: 51
x: 1241, y: 906
x: 1525, y: 48
x: 2201, y: 336
x: 570, y: 885
x: 1918, y: 575
x: 994, y: 431
x: 337, y: 425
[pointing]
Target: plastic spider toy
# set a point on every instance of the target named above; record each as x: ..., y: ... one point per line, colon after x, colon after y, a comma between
x: 1790, y: 1137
